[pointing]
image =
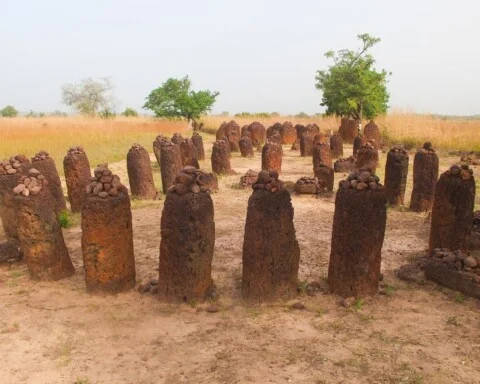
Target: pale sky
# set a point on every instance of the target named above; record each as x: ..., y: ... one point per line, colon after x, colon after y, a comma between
x: 260, y: 55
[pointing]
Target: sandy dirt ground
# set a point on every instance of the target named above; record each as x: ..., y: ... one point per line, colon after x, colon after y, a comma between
x: 415, y: 333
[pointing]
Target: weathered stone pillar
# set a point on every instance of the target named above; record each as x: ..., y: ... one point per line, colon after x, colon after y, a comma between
x: 77, y: 176
x: 358, y: 141
x: 372, y: 132
x: 170, y: 163
x: 321, y: 154
x: 357, y: 236
x: 367, y: 157
x: 288, y: 133
x: 198, y: 142
x: 275, y: 138
x: 396, y: 171
x: 220, y: 158
x: 246, y: 147
x: 306, y: 144
x: 107, y: 237
x: 272, y: 157
x: 425, y: 175
x: 348, y: 130
x: 157, y: 146
x: 230, y: 131
x: 40, y: 235
x: 271, y: 253
x: 336, y: 146
x: 10, y: 173
x: 46, y: 166
x: 325, y: 176
x: 189, y: 153
x: 177, y: 138
x: 188, y: 240
x: 452, y: 211
x: 258, y: 133
x: 140, y: 174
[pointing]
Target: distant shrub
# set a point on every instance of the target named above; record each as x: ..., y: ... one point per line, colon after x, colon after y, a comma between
x: 302, y: 115
x: 8, y: 111
x: 107, y: 114
x: 274, y: 114
x: 225, y: 114
x: 64, y: 219
x: 130, y: 112
x: 248, y: 114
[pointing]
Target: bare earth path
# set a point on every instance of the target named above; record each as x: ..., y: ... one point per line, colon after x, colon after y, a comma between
x: 57, y: 333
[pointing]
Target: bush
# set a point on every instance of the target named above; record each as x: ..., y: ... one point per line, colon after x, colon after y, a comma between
x: 8, y: 111
x: 107, y: 114
x: 302, y: 115
x: 64, y: 219
x: 130, y: 112
x: 248, y: 114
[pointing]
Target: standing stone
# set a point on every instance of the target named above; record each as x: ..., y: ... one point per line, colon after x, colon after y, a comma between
x: 321, y: 154
x: 189, y: 153
x: 452, y: 211
x: 170, y: 163
x: 46, y: 165
x: 425, y: 175
x: 40, y: 235
x: 313, y: 129
x: 247, y: 180
x: 258, y: 133
x: 306, y: 144
x: 358, y: 141
x: 230, y: 131
x: 246, y: 146
x: 336, y: 146
x: 348, y: 130
x: 10, y: 173
x: 275, y: 138
x: 157, y: 146
x: 198, y: 142
x: 396, y: 171
x: 295, y: 146
x: 325, y: 176
x: 107, y: 237
x: 372, y: 132
x: 275, y: 129
x: 288, y: 133
x: 77, y: 176
x: 272, y: 157
x: 271, y: 254
x: 220, y: 158
x: 367, y: 157
x: 357, y: 236
x: 140, y: 173
x: 177, y: 138
x: 188, y: 240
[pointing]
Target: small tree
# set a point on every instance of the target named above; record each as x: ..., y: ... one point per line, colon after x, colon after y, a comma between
x: 90, y: 96
x: 175, y: 99
x: 351, y: 86
x: 8, y: 111
x: 130, y: 112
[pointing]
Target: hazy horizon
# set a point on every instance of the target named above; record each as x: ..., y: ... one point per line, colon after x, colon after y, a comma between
x: 261, y: 56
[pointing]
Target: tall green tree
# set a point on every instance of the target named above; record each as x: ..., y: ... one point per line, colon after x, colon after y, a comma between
x: 175, y: 99
x: 351, y: 86
x: 8, y: 111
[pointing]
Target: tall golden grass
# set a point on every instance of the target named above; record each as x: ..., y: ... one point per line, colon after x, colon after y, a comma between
x: 397, y: 128
x: 104, y: 140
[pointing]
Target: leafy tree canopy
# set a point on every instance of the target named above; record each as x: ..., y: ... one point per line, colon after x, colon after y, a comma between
x: 352, y: 87
x: 130, y: 112
x: 8, y: 111
x: 175, y: 99
x: 89, y: 97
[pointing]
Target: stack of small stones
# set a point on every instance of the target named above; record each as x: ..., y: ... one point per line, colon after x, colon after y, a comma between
x: 360, y: 180
x: 459, y: 261
x: 427, y: 148
x: 31, y: 184
x: 470, y: 158
x: 460, y: 170
x: 104, y: 183
x: 42, y: 155
x: 307, y: 185
x: 75, y: 150
x: 190, y: 179
x: 11, y: 166
x: 268, y: 181
x: 248, y: 179
x: 344, y: 165
x: 177, y: 138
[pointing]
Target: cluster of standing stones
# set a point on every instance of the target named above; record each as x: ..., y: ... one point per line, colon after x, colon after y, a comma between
x: 31, y: 198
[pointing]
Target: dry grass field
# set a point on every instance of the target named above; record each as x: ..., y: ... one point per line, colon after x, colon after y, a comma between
x: 414, y: 333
